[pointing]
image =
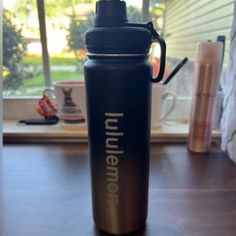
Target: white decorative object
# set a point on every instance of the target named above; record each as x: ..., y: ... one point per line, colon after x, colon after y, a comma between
x: 228, y: 122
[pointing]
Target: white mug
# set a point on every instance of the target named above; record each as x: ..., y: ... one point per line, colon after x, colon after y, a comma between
x: 158, y: 96
x: 70, y: 101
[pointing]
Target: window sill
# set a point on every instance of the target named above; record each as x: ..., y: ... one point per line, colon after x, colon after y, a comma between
x: 14, y: 132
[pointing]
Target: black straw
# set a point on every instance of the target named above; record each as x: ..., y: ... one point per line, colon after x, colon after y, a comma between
x: 175, y: 71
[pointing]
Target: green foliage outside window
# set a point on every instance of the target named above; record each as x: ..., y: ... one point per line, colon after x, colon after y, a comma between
x: 14, y: 49
x: 76, y: 36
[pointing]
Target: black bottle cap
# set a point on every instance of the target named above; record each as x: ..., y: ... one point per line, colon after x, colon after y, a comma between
x: 110, y: 13
x: 113, y: 34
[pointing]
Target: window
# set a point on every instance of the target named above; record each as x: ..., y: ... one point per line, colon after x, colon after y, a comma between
x: 66, y: 23
x: 181, y: 23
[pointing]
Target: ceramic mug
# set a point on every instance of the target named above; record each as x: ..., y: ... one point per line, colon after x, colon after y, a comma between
x: 70, y: 101
x: 158, y: 96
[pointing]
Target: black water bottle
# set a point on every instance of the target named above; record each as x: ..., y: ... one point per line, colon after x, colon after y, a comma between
x: 118, y: 80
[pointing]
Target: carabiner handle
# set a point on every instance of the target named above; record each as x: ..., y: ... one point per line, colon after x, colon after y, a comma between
x: 157, y: 38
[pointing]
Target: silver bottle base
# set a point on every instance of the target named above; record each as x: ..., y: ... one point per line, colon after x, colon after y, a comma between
x: 138, y: 230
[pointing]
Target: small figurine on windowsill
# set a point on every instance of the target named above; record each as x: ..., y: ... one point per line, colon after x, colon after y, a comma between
x: 46, y: 108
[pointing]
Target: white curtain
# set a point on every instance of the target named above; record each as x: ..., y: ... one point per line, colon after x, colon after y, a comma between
x: 228, y: 122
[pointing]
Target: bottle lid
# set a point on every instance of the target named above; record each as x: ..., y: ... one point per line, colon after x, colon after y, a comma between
x: 113, y: 34
x: 110, y: 13
x: 209, y: 50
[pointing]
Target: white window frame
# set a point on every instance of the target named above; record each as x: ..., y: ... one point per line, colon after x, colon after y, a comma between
x: 43, y: 38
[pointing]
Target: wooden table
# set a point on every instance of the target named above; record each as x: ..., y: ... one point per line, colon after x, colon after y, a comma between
x: 47, y: 192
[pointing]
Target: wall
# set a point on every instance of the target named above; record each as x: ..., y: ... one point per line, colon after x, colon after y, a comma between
x: 188, y: 22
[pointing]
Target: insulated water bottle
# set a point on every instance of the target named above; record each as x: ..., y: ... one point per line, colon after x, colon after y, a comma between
x: 118, y: 80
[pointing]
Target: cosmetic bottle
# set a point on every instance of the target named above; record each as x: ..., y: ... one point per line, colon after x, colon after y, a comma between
x: 207, y: 73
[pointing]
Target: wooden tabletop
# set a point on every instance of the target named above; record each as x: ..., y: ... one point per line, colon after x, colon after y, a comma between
x: 47, y: 192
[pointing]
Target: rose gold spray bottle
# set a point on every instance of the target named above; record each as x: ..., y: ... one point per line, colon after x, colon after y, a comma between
x: 207, y: 73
